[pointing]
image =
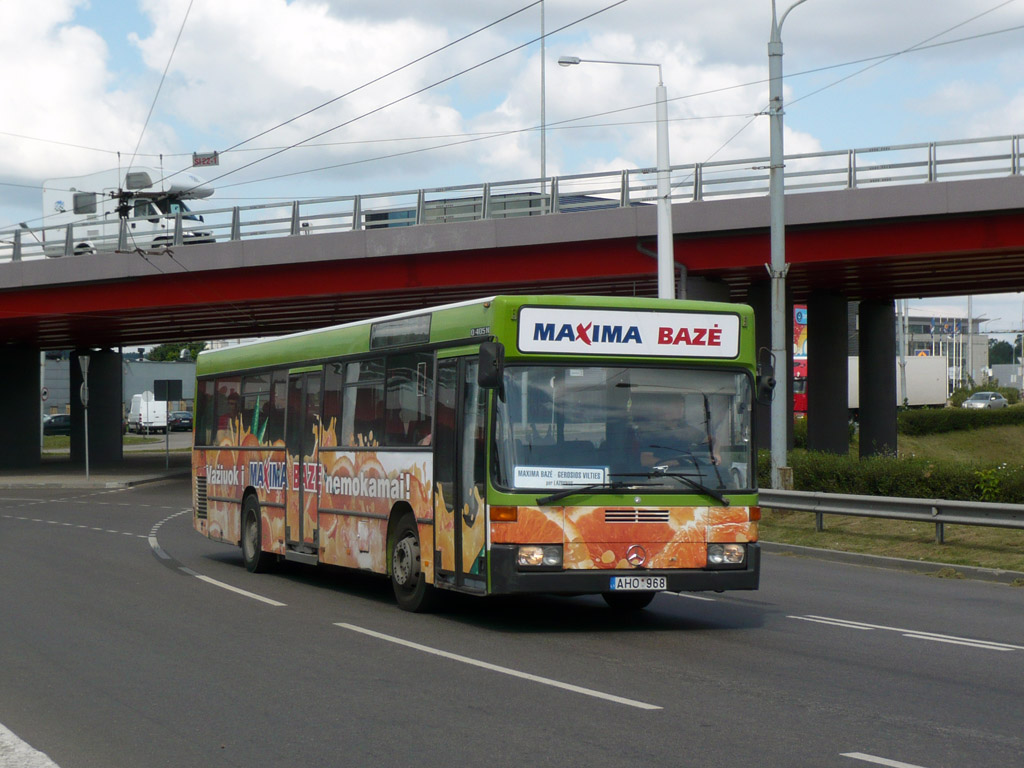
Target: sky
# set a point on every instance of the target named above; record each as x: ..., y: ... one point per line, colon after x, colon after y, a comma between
x: 91, y: 84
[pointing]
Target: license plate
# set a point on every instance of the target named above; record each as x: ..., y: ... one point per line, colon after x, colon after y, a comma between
x: 638, y: 583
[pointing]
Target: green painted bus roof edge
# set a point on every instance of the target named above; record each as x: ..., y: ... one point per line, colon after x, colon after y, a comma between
x: 493, y: 316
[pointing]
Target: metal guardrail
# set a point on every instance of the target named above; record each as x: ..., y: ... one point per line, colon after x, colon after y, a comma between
x: 937, y: 511
x: 835, y: 170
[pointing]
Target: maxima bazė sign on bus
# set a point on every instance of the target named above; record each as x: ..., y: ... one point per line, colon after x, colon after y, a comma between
x: 628, y: 332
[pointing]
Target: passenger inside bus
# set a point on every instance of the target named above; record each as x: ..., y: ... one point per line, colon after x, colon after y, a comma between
x: 227, y: 417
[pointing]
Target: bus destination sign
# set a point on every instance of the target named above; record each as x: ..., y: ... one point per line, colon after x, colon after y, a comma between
x: 628, y: 332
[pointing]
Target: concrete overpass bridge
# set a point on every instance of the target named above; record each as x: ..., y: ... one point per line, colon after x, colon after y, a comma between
x: 871, y: 225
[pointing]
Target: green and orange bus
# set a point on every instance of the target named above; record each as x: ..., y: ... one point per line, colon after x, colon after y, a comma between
x: 513, y: 444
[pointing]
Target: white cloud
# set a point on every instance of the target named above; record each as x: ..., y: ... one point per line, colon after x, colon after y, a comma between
x: 243, y: 66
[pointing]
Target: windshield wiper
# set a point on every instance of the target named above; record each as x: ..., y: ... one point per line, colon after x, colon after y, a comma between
x: 561, y: 494
x: 662, y: 471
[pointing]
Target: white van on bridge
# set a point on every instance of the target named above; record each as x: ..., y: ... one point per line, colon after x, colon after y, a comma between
x: 116, y: 210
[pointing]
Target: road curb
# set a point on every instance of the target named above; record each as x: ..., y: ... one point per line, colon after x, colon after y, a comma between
x: 82, y: 483
x: 945, y: 570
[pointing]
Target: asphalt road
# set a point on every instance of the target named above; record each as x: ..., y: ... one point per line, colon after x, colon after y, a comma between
x: 128, y: 639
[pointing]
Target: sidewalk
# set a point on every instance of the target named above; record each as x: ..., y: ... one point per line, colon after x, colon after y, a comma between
x: 137, y: 467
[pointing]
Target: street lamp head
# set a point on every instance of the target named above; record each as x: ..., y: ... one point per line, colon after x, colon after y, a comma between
x: 568, y: 61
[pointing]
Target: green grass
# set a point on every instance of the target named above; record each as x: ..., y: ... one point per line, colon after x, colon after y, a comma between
x: 1000, y: 548
x: 970, y: 545
x: 990, y: 446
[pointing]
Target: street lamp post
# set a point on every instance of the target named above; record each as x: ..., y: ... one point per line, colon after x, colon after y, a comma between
x: 666, y: 252
x: 778, y: 268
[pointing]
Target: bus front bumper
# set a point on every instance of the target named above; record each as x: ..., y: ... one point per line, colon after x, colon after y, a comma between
x: 508, y: 578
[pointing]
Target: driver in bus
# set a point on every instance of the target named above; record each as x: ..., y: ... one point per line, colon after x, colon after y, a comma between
x: 668, y: 437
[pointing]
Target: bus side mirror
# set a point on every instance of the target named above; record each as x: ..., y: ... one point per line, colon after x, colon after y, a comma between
x: 491, y: 370
x: 765, y: 376
x: 765, y: 388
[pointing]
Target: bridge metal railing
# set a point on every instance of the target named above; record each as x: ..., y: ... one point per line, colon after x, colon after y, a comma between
x: 938, y: 511
x: 718, y: 179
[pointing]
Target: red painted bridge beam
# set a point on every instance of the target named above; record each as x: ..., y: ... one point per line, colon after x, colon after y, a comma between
x: 342, y: 277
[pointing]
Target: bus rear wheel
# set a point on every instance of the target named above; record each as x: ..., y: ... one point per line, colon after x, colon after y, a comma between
x: 256, y: 560
x: 628, y: 601
x: 412, y: 592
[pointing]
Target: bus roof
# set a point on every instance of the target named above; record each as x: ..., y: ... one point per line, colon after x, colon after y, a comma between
x: 497, y: 317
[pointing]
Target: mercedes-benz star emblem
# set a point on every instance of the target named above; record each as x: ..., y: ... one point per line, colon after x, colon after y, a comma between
x: 636, y: 555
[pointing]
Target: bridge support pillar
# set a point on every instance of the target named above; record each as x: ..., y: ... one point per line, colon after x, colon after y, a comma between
x: 105, y: 406
x: 877, y: 377
x: 759, y: 297
x: 827, y: 377
x: 703, y: 289
x: 20, y: 406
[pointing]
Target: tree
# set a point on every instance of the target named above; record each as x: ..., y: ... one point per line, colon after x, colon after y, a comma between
x: 999, y: 352
x: 172, y: 352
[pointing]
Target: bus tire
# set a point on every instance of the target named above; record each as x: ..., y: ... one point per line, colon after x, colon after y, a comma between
x: 409, y: 583
x: 628, y: 601
x: 256, y: 560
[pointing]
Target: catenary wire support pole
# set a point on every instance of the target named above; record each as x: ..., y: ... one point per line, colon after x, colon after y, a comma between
x: 778, y: 267
x: 666, y: 252
x: 543, y: 109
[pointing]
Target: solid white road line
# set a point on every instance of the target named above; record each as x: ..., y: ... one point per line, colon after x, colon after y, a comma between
x: 973, y: 642
x: 155, y: 546
x: 236, y: 590
x: 690, y: 596
x: 878, y: 760
x: 502, y: 670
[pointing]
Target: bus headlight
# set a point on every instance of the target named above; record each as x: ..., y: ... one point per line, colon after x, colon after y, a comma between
x: 725, y: 555
x: 539, y: 556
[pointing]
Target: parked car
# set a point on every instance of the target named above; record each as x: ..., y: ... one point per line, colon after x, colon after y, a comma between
x: 179, y: 421
x: 57, y: 424
x: 985, y: 400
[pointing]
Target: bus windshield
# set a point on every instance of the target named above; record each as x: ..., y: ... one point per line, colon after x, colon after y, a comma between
x: 560, y: 426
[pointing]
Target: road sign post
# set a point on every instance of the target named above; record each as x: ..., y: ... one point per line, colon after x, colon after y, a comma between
x: 83, y: 393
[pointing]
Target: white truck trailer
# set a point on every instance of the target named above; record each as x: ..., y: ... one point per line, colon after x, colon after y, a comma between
x: 83, y: 214
x: 927, y: 381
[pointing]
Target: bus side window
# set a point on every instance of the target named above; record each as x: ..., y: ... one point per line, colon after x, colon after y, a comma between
x: 204, y: 412
x: 332, y: 396
x: 363, y: 404
x: 275, y: 408
x: 226, y: 410
x: 255, y: 395
x: 410, y: 392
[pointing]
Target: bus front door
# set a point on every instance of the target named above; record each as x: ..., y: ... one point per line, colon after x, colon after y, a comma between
x: 302, y: 438
x: 460, y: 523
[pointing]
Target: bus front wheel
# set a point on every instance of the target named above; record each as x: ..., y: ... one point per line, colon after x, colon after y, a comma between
x: 412, y: 592
x: 256, y: 560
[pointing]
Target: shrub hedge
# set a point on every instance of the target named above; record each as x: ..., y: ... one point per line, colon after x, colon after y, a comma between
x: 906, y: 477
x: 930, y: 421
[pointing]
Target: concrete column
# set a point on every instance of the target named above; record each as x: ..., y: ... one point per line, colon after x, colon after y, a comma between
x: 705, y: 289
x: 827, y: 385
x: 105, y: 406
x: 20, y: 406
x: 877, y: 377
